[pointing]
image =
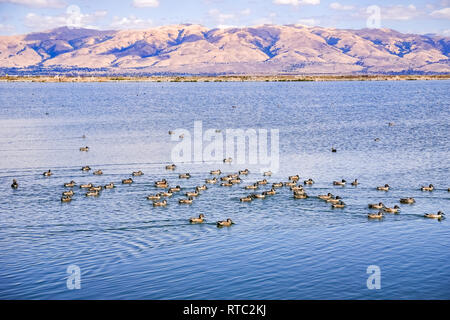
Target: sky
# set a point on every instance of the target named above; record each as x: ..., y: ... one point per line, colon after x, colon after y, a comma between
x: 414, y: 16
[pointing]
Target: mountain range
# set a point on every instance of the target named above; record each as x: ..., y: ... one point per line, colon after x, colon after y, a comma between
x: 195, y: 49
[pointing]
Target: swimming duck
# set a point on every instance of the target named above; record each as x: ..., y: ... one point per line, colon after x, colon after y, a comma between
x: 294, y: 178
x: 14, y: 184
x: 160, y: 203
x: 184, y: 176
x: 226, y: 184
x: 334, y: 200
x: 325, y: 196
x: 163, y: 181
x: 84, y: 149
x: 339, y: 183
x: 98, y: 172
x: 70, y: 184
x: 384, y: 188
x: 181, y: 136
x: 246, y: 199
x: 201, y: 188
x: 438, y: 215
x: 395, y: 209
x: 355, y: 182
x: 192, y: 194
x: 68, y: 193
x: 300, y: 195
x: 271, y: 192
x: 171, y: 167
x: 200, y: 219
x: 235, y: 181
x: 391, y: 124
x: 267, y: 173
x: 137, y: 173
x: 297, y: 189
x: 259, y: 196
x: 66, y: 199
x: 290, y: 184
x: 85, y: 168
x: 227, y: 160
x: 98, y: 188
x: 429, y: 188
x: 407, y: 200
x: 244, y: 172
x: 376, y: 139
x: 225, y: 223
x: 110, y: 186
x: 277, y: 185
x: 186, y: 201
x: 85, y: 186
x: 211, y: 181
x: 127, y: 181
x: 340, y: 204
x: 333, y: 150
x: 166, y: 194
x: 309, y: 181
x: 252, y: 187
x: 171, y: 132
x: 262, y: 182
x: 215, y: 172
x: 378, y: 215
x: 154, y: 197
x: 378, y: 206
x: 175, y: 189
x: 48, y: 173
x: 92, y: 194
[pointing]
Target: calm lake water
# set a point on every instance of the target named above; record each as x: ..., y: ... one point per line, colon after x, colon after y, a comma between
x: 279, y: 247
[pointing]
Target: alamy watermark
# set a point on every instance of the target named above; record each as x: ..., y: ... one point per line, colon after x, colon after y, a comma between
x: 374, y: 280
x: 74, y: 279
x: 212, y: 146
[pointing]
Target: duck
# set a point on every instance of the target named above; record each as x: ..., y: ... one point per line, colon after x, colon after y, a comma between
x: 68, y: 193
x: 252, y: 187
x: 216, y: 172
x: 226, y: 184
x: 429, y: 188
x: 290, y: 184
x: 211, y: 181
x: 109, y: 186
x: 192, y: 193
x: 171, y: 132
x: 70, y: 184
x: 325, y: 196
x: 277, y: 184
x: 175, y: 189
x: 376, y: 139
x: 127, y: 181
x: 98, y: 188
x: 438, y: 215
x: 85, y: 149
x: 166, y: 194
x: 92, y: 194
x: 137, y: 173
x: 225, y: 223
x: 186, y: 201
x: 154, y: 196
x: 340, y: 183
x: 340, y: 204
x: 201, y: 188
x: 163, y: 181
x: 235, y: 181
x: 378, y: 206
x: 47, y: 173
x: 246, y: 199
x: 226, y: 178
x: 335, y: 200
x: 262, y: 182
x: 384, y: 188
x: 355, y: 182
x: 244, y: 172
x: 227, y: 160
x: 98, y: 172
x: 395, y: 209
x: 407, y: 200
x: 294, y: 178
x: 181, y: 136
x: 171, y: 167
x: 85, y: 168
x: 267, y: 173
x: 300, y: 195
x: 86, y: 186
x: 297, y: 189
x: 391, y: 124
x: 200, y: 219
x: 333, y: 150
x: 271, y: 192
x: 66, y: 199
x: 258, y: 196
x: 14, y: 184
x: 378, y: 215
x: 309, y: 181
x: 184, y: 176
x: 160, y: 203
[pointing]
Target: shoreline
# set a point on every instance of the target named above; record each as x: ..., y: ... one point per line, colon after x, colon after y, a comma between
x: 231, y: 78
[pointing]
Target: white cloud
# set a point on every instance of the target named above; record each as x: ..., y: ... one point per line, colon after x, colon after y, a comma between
x: 399, y: 12
x: 441, y: 14
x: 131, y: 22
x: 446, y: 33
x: 297, y: 2
x: 245, y: 12
x: 38, y: 3
x: 145, y: 3
x: 341, y: 7
x: 310, y: 22
x: 76, y: 19
x: 221, y: 17
x: 6, y: 28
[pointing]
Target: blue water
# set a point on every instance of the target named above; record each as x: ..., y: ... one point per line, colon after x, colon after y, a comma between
x: 279, y: 247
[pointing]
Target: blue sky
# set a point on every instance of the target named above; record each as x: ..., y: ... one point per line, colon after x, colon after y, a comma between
x: 415, y: 16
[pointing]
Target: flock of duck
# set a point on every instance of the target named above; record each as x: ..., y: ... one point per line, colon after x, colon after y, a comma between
x: 227, y: 180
